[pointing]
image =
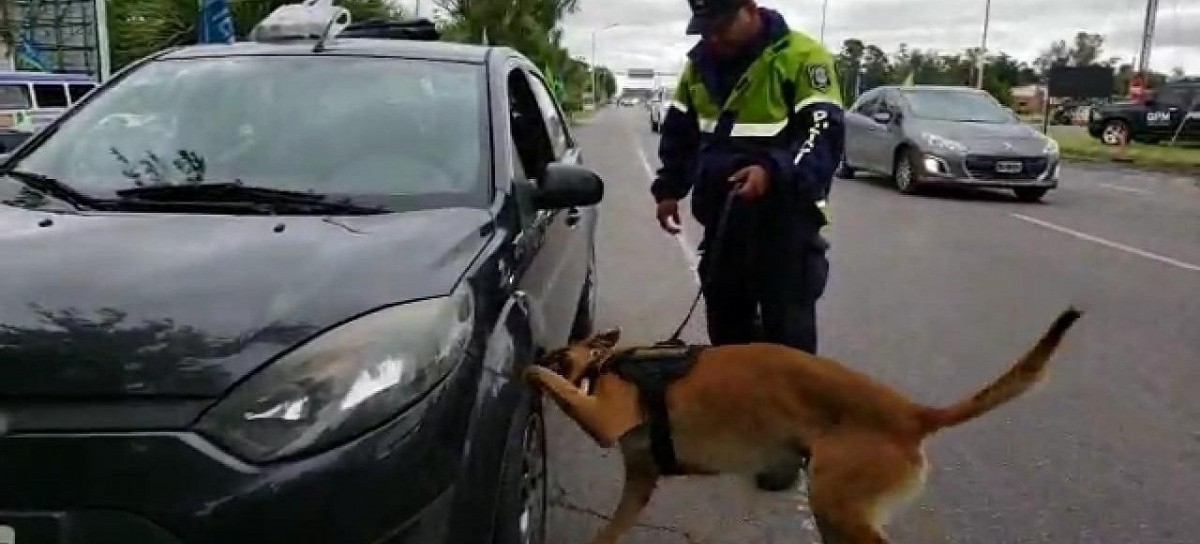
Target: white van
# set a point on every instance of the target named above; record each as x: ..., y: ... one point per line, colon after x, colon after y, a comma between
x: 31, y: 100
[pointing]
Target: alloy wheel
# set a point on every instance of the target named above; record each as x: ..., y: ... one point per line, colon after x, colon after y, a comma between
x: 534, y: 499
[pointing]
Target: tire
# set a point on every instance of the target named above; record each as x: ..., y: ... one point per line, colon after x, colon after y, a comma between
x: 845, y: 171
x: 585, y: 312
x: 524, y: 502
x: 655, y: 127
x: 1115, y: 131
x: 904, y: 172
x: 1030, y: 194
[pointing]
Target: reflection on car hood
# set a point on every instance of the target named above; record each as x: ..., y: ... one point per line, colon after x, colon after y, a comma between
x: 998, y: 138
x: 186, y: 305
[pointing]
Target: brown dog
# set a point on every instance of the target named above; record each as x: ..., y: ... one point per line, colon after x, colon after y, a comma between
x: 746, y: 408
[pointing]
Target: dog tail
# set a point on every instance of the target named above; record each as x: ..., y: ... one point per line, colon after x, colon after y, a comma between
x: 1026, y: 373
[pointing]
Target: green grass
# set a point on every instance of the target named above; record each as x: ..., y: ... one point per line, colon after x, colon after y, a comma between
x: 1076, y: 144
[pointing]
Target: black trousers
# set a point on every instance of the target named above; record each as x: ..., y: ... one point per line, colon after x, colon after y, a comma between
x: 766, y: 278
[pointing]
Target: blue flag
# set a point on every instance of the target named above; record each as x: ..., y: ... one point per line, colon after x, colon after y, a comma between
x: 216, y: 22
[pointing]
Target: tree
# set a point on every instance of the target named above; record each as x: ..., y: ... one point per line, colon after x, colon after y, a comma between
x: 140, y: 27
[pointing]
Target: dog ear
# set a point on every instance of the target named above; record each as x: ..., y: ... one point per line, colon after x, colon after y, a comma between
x: 606, y: 339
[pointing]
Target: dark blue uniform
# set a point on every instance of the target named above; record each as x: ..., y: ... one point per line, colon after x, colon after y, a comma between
x: 772, y: 260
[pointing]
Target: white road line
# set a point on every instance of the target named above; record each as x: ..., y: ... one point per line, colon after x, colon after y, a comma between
x: 1125, y: 189
x: 1108, y: 243
x: 685, y: 246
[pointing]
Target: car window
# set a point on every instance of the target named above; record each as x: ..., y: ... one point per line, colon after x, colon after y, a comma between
x: 559, y: 137
x: 15, y: 97
x: 78, y: 90
x: 50, y: 95
x: 955, y: 105
x: 1174, y: 96
x: 529, y: 130
x: 867, y: 104
x: 369, y: 126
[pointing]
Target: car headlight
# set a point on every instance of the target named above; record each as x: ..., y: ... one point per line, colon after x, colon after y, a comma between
x: 944, y: 143
x: 344, y: 382
x: 1051, y: 147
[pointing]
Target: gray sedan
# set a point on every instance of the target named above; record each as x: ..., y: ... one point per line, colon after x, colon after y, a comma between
x: 932, y: 135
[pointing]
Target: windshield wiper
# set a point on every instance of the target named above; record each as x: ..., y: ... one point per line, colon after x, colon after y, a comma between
x: 52, y: 186
x: 272, y: 200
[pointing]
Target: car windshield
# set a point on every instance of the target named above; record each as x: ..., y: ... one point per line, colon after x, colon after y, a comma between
x: 401, y: 133
x: 951, y: 105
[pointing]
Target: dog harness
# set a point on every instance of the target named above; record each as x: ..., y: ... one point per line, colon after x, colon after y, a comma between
x: 651, y: 370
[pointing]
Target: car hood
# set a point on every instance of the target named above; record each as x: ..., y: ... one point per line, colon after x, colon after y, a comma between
x: 187, y: 305
x: 987, y: 138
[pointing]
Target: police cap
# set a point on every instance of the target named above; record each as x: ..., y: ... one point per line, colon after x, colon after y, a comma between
x: 711, y: 14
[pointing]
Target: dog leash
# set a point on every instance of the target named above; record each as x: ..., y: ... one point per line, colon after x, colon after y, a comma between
x: 722, y: 223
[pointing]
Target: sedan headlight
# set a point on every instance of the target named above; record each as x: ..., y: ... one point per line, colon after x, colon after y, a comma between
x: 344, y: 382
x: 944, y: 143
x: 1051, y: 147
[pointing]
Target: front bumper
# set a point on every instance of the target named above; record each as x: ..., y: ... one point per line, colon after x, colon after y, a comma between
x: 396, y: 484
x: 989, y: 170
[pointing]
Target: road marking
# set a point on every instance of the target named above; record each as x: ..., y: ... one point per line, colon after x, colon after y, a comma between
x: 1125, y: 189
x: 685, y: 246
x: 1108, y: 243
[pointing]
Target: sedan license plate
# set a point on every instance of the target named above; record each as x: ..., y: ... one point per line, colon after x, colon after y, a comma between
x: 1009, y: 167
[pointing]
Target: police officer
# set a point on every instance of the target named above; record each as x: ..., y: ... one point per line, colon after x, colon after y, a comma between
x: 757, y: 110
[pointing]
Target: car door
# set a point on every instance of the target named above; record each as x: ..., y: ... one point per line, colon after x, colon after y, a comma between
x: 1191, y: 128
x: 886, y: 136
x: 1167, y: 111
x: 554, y: 242
x: 858, y: 127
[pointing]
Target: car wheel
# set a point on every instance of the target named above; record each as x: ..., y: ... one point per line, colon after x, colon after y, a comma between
x: 904, y: 172
x: 1115, y: 132
x: 585, y: 312
x: 845, y: 171
x: 524, y: 504
x: 1030, y: 194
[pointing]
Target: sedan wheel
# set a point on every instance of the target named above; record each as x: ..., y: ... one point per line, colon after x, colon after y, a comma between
x: 905, y: 174
x: 534, y: 500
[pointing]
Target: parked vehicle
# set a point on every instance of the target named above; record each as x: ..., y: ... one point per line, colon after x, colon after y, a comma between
x: 30, y: 100
x: 933, y: 135
x: 659, y: 103
x: 1174, y: 109
x: 293, y: 311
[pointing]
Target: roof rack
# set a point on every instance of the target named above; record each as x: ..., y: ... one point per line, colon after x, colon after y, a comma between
x: 416, y: 29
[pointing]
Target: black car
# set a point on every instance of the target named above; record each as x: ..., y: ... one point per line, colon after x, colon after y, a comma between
x: 1172, y: 111
x: 282, y: 292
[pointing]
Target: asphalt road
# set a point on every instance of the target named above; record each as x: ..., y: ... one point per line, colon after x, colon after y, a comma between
x: 937, y: 295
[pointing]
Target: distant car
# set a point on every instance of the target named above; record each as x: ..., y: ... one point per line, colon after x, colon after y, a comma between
x: 296, y: 311
x: 1155, y: 119
x: 658, y: 108
x: 628, y: 101
x: 30, y: 100
x: 934, y: 135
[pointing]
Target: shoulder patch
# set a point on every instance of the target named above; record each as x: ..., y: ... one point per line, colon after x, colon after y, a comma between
x: 818, y: 77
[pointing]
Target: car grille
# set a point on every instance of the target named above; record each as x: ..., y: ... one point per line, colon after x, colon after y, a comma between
x: 984, y: 166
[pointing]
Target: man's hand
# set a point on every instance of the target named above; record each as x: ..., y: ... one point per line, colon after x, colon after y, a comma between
x: 754, y: 180
x: 669, y: 209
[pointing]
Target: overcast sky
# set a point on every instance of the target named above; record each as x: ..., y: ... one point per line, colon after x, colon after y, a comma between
x: 650, y: 32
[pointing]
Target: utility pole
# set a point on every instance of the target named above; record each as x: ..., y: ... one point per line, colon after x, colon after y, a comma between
x: 1143, y: 66
x: 982, y: 60
x: 595, y: 89
x: 824, y: 12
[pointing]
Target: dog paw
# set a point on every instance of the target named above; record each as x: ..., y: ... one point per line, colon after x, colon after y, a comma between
x: 534, y: 374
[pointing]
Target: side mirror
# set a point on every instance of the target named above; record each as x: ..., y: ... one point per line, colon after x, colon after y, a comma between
x: 567, y: 185
x: 882, y: 117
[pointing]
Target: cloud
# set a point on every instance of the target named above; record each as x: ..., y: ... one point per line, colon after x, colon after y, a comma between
x: 650, y: 33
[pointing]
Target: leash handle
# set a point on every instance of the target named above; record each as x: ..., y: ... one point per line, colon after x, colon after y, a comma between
x: 722, y: 223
